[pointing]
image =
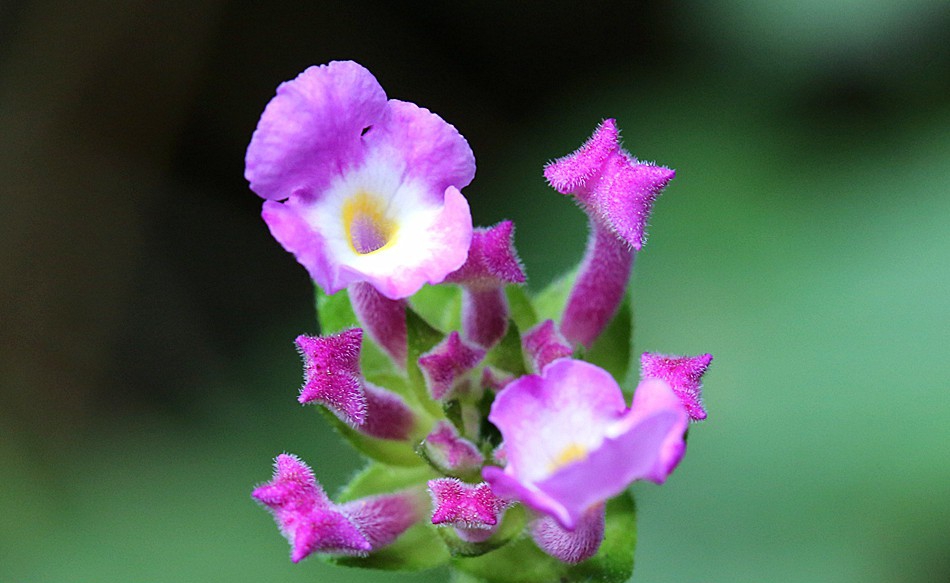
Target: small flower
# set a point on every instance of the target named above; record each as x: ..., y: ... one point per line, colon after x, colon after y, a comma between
x: 304, y: 513
x: 544, y: 344
x: 617, y: 192
x: 616, y: 189
x: 571, y: 546
x: 446, y: 365
x: 332, y: 377
x: 450, y: 452
x: 332, y: 374
x: 474, y: 511
x: 312, y: 523
x: 492, y: 263
x: 684, y: 374
x: 360, y: 188
x: 571, y: 442
x: 492, y: 260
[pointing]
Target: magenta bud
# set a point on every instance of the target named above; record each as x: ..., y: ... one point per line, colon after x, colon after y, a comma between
x: 492, y: 263
x: 305, y: 515
x: 450, y: 452
x: 332, y: 375
x: 544, y: 344
x: 447, y: 365
x: 684, y: 374
x: 571, y: 546
x: 474, y: 510
x: 617, y: 192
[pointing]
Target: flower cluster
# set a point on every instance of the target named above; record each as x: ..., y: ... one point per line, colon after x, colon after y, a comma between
x: 498, y: 435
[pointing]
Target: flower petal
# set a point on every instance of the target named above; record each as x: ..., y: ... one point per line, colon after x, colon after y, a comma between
x: 434, y: 153
x: 649, y: 449
x: 544, y: 418
x: 684, y: 374
x: 311, y: 130
x: 431, y: 243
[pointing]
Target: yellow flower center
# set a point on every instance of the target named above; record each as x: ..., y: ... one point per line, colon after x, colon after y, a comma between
x: 571, y: 453
x: 367, y: 227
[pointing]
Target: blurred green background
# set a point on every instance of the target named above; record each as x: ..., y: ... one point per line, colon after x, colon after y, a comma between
x: 146, y: 318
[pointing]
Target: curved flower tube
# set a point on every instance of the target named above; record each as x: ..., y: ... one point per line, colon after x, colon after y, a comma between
x: 572, y: 443
x: 360, y: 188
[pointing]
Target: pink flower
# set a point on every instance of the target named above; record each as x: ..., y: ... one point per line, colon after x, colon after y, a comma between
x: 451, y: 453
x: 683, y: 373
x: 544, y: 344
x: 312, y: 523
x: 492, y: 263
x: 448, y: 365
x: 572, y: 443
x: 360, y: 188
x: 333, y: 378
x: 474, y: 511
x: 617, y: 191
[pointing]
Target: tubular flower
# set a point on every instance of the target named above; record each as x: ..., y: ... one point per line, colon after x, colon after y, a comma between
x: 617, y: 191
x: 492, y: 263
x: 312, y: 523
x: 360, y: 188
x: 332, y: 378
x: 684, y: 374
x: 474, y: 511
x: 448, y: 364
x: 572, y: 443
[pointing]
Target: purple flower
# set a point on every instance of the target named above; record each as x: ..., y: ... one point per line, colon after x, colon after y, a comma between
x: 571, y: 546
x: 617, y: 192
x: 474, y: 511
x: 544, y: 344
x: 448, y: 364
x: 572, y: 443
x: 313, y: 524
x: 360, y: 188
x: 615, y: 188
x: 492, y: 263
x: 684, y: 374
x: 332, y: 377
x: 450, y: 452
x: 332, y: 374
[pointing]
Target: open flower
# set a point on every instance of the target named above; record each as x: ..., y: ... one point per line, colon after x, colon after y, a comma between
x: 360, y: 188
x: 572, y: 443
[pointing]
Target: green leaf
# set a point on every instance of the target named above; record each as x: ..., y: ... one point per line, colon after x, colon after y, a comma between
x: 421, y: 337
x: 522, y: 312
x: 377, y: 478
x: 612, y: 350
x: 549, y: 304
x: 507, y: 354
x: 418, y: 548
x: 439, y: 304
x: 397, y: 453
x: 523, y: 562
x: 334, y: 313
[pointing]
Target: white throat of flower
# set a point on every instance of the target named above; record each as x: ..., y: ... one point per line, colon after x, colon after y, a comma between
x: 368, y: 228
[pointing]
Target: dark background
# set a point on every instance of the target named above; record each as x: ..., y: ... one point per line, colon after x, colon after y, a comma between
x: 146, y: 315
